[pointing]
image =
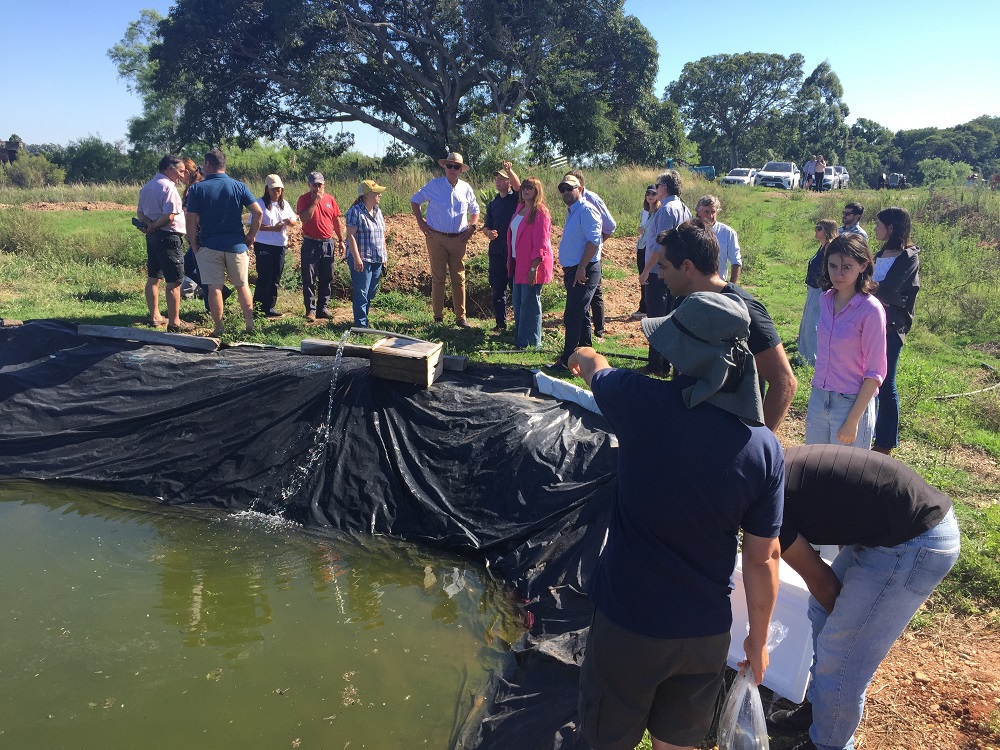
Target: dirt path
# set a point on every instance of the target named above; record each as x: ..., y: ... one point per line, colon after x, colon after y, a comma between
x: 939, y: 687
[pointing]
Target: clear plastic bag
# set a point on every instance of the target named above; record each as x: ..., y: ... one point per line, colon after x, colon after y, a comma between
x: 742, y: 725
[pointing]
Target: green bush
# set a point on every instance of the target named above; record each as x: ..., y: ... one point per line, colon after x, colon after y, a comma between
x: 30, y: 171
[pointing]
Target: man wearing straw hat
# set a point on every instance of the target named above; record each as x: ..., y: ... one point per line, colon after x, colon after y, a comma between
x: 695, y: 465
x: 449, y: 201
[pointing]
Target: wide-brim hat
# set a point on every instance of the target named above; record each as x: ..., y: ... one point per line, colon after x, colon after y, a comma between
x: 454, y: 158
x: 370, y: 186
x: 706, y: 338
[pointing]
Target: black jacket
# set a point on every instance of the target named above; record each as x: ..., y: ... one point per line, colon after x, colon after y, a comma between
x: 898, y: 290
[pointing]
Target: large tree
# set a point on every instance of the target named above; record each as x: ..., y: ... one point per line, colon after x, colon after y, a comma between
x: 156, y: 129
x: 418, y: 70
x: 727, y: 99
x: 820, y: 115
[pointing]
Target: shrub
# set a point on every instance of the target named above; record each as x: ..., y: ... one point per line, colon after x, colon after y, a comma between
x: 31, y: 172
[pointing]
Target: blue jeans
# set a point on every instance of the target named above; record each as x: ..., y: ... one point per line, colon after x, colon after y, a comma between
x: 364, y: 284
x: 883, y: 588
x: 887, y: 420
x: 576, y: 318
x: 827, y: 413
x: 528, y: 314
x: 807, y: 328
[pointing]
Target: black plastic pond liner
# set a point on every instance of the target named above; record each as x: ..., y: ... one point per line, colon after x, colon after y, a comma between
x: 474, y: 465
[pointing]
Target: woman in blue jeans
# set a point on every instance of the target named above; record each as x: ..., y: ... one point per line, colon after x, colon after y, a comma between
x: 366, y: 251
x: 825, y: 231
x: 529, y: 261
x: 897, y: 271
x: 899, y: 539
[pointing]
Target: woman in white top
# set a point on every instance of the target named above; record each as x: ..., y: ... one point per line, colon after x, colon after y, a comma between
x: 649, y: 207
x: 269, y: 247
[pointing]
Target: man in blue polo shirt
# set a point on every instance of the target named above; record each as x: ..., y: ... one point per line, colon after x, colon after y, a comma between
x: 215, y: 233
x: 657, y: 648
x: 580, y: 258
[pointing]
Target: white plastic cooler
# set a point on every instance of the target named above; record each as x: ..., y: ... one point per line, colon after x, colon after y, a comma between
x: 788, y: 672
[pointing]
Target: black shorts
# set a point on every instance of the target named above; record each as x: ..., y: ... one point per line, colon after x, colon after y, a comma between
x: 631, y: 682
x: 165, y: 256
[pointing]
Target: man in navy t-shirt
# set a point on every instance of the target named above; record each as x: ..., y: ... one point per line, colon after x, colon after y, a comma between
x: 215, y: 233
x: 695, y: 466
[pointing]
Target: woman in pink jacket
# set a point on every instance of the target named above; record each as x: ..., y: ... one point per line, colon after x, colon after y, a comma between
x: 529, y: 261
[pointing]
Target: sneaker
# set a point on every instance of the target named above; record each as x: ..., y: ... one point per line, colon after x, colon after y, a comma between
x: 311, y: 315
x: 272, y: 314
x: 797, y: 719
x: 637, y: 315
x: 463, y: 323
x: 324, y: 314
x: 500, y: 328
x: 180, y: 327
x: 558, y: 366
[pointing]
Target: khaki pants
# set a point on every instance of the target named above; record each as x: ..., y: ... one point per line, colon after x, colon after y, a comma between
x: 447, y: 255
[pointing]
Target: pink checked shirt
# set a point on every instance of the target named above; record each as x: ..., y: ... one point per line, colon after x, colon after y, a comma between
x: 850, y: 344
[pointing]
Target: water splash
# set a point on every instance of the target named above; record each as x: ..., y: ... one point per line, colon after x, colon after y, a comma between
x: 316, y: 453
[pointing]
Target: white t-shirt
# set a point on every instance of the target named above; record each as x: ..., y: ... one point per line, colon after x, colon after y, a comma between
x: 272, y: 217
x: 882, y: 266
x: 514, y: 224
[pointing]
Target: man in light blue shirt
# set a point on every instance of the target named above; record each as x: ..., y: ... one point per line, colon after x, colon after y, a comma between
x: 580, y: 258
x: 449, y: 200
x: 671, y: 214
x: 608, y: 226
x: 852, y: 220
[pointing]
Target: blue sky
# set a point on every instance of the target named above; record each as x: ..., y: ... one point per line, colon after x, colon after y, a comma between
x: 903, y: 63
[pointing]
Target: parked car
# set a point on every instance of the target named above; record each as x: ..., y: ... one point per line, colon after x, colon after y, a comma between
x: 740, y: 176
x: 831, y: 180
x: 779, y: 174
x: 845, y: 177
x: 897, y: 181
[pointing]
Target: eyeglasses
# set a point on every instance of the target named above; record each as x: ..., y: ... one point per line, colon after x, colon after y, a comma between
x: 566, y: 188
x: 453, y: 166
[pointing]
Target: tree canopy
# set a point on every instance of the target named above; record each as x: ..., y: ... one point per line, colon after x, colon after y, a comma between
x: 421, y: 71
x: 727, y: 98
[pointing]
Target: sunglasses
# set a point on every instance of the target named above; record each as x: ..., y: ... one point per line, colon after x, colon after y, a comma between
x: 526, y: 187
x: 819, y: 229
x: 650, y: 192
x: 453, y: 166
x: 566, y: 188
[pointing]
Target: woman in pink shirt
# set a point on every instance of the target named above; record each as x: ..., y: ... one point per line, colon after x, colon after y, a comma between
x: 850, y: 352
x: 529, y: 261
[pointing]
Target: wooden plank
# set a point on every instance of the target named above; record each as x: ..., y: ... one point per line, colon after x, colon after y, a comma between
x: 182, y: 340
x: 328, y: 348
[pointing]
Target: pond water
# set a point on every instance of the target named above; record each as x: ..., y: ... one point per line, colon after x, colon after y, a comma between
x: 127, y: 624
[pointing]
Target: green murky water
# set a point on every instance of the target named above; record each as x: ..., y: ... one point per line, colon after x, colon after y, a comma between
x: 129, y: 625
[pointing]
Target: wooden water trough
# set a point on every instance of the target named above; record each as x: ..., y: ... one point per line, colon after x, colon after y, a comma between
x: 394, y: 356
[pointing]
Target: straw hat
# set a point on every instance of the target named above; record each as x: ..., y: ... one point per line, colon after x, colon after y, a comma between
x: 454, y: 158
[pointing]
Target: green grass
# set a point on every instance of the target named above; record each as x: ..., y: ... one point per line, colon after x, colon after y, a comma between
x: 89, y: 267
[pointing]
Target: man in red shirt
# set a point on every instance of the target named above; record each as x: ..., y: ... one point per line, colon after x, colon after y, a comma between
x: 320, y: 217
